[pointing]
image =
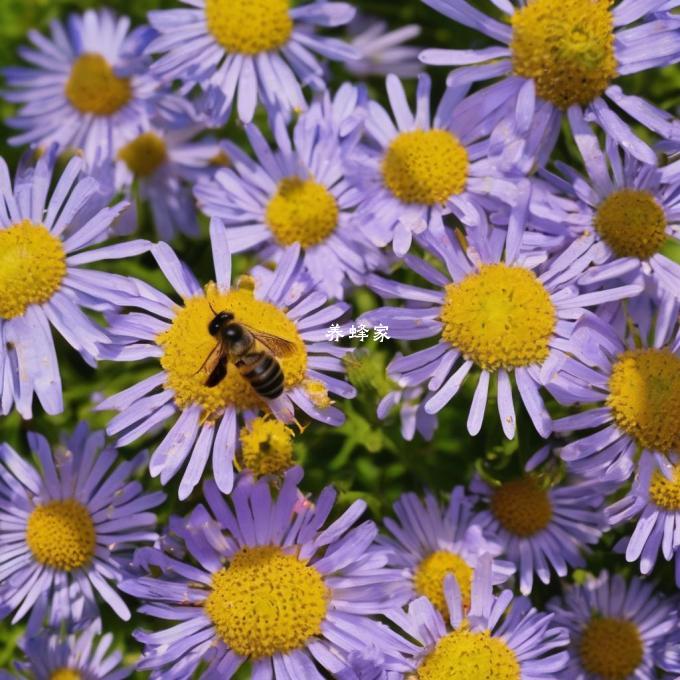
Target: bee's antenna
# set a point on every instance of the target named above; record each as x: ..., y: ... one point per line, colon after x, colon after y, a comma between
x: 212, y: 309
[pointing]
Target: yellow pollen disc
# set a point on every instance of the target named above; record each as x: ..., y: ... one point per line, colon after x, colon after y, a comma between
x: 644, y: 396
x: 266, y: 602
x: 93, y: 87
x: 500, y: 317
x: 61, y: 534
x: 187, y: 344
x: 632, y: 223
x: 301, y: 211
x: 249, y: 26
x: 566, y: 47
x: 267, y: 447
x: 32, y: 267
x: 664, y: 492
x: 464, y: 655
x: 521, y: 506
x: 65, y: 674
x: 610, y: 648
x: 144, y: 155
x: 425, y: 166
x: 429, y: 577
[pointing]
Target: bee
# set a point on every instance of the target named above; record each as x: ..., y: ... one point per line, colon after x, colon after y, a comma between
x: 253, y: 352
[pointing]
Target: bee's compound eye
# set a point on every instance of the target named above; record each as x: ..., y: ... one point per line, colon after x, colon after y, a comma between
x: 214, y: 326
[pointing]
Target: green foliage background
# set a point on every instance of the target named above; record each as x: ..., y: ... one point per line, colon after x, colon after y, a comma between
x: 364, y: 458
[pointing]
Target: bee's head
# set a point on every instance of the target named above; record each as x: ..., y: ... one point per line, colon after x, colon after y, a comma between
x: 220, y: 319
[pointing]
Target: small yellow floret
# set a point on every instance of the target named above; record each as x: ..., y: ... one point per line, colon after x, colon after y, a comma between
x: 664, y: 492
x: 267, y: 602
x: 644, y: 396
x: 65, y: 674
x: 464, y: 655
x: 522, y: 506
x: 499, y: 317
x: 61, y: 534
x: 267, y: 447
x: 566, y: 47
x: 94, y: 88
x: 611, y: 648
x: 32, y: 267
x: 429, y: 578
x: 425, y: 166
x: 249, y: 26
x: 144, y: 154
x: 632, y: 223
x: 302, y: 211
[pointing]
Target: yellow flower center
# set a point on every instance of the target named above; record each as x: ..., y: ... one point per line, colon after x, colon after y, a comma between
x: 664, y: 492
x: 144, y: 154
x: 249, y: 26
x: 566, y: 47
x: 187, y: 344
x: 65, y: 674
x: 61, y: 534
x: 301, y: 211
x: 610, y: 648
x: 32, y: 267
x: 425, y: 166
x: 632, y: 223
x: 429, y: 577
x: 644, y: 396
x: 267, y: 447
x: 267, y: 602
x: 464, y: 655
x: 522, y: 506
x: 93, y: 87
x: 500, y: 317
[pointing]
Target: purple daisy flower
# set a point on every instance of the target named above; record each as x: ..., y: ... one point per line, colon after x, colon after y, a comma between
x: 668, y: 657
x: 412, y: 412
x: 67, y: 530
x: 541, y: 528
x: 624, y: 212
x: 412, y: 173
x: 281, y: 304
x: 614, y: 626
x: 495, y: 636
x: 296, y: 194
x: 633, y: 379
x: 166, y: 160
x: 268, y: 584
x: 490, y: 310
x: 249, y: 49
x: 427, y: 542
x: 562, y: 55
x: 653, y: 502
x: 43, y: 284
x: 86, y: 85
x: 382, y: 51
x: 87, y: 655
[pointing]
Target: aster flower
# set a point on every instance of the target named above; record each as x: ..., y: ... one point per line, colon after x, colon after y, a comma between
x: 491, y: 638
x: 43, y: 284
x: 165, y: 159
x: 624, y: 212
x: 633, y: 381
x: 67, y: 529
x: 295, y: 194
x: 428, y: 541
x: 51, y: 656
x: 85, y: 86
x: 653, y: 502
x: 382, y: 51
x: 668, y: 656
x: 270, y: 585
x: 566, y: 55
x: 411, y: 410
x: 279, y: 303
x: 614, y: 627
x: 249, y: 49
x: 541, y: 528
x: 490, y: 310
x: 412, y: 173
